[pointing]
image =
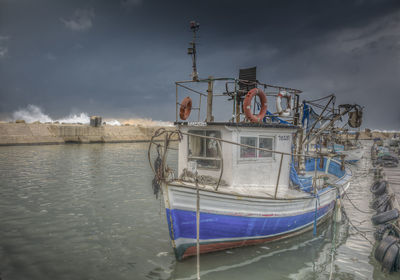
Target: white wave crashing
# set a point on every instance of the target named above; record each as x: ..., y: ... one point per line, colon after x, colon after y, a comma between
x: 113, y: 122
x: 82, y: 118
x: 33, y: 113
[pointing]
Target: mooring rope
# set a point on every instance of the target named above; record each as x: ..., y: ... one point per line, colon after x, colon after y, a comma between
x: 197, y: 228
x: 362, y: 211
x: 358, y: 230
x: 333, y: 247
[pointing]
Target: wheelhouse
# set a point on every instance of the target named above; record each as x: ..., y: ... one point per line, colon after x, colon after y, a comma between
x: 237, y: 165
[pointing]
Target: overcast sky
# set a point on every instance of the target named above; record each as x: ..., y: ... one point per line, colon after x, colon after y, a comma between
x: 121, y: 58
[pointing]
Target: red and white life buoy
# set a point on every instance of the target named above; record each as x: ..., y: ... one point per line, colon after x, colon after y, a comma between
x: 288, y: 110
x: 247, y: 105
x: 186, y: 108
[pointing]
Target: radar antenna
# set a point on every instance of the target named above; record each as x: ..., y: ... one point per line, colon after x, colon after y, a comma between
x: 194, y: 26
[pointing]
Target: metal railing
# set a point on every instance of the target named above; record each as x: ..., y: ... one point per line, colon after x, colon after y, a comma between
x: 236, y: 95
x: 219, y: 140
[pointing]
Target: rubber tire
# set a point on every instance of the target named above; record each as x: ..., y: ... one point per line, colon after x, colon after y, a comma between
x: 379, y: 188
x: 397, y: 268
x: 379, y: 201
x: 382, y: 248
x: 379, y: 232
x: 389, y: 261
x: 382, y: 231
x: 384, y: 208
x: 385, y: 217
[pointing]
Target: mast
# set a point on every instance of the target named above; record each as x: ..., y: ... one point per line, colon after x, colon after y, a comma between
x: 194, y: 26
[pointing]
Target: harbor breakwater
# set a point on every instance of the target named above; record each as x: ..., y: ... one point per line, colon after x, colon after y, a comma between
x: 45, y: 134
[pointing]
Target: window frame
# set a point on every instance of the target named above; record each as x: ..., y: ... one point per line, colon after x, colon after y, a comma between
x: 195, y: 158
x: 257, y: 157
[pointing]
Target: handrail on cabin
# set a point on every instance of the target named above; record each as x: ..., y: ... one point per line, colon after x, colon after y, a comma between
x: 248, y: 146
x: 219, y: 140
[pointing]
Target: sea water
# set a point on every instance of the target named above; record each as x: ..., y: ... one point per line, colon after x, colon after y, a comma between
x: 89, y: 212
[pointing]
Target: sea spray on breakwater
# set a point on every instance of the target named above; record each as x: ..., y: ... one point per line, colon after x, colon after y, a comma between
x: 33, y: 113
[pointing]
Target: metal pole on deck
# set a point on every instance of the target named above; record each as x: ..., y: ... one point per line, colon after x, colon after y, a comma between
x: 315, y: 197
x: 279, y: 175
x: 198, y: 115
x: 197, y: 227
x: 237, y: 108
x: 176, y: 103
x: 210, y: 117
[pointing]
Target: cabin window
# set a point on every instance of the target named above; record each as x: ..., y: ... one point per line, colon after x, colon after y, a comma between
x: 204, y: 151
x: 260, y: 142
x: 246, y: 152
x: 266, y: 143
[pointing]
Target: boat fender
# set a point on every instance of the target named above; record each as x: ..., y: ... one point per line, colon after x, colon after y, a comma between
x: 383, y: 208
x: 186, y: 108
x: 156, y: 183
x: 338, y: 211
x: 383, y: 246
x: 247, y: 105
x: 398, y: 260
x: 382, y: 231
x: 379, y: 201
x: 378, y: 188
x: 385, y: 217
x: 389, y: 261
x: 288, y: 97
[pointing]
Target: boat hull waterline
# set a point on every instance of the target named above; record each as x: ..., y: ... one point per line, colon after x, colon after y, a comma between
x: 229, y: 221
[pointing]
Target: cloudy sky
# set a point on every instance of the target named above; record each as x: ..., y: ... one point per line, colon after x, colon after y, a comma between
x: 120, y: 58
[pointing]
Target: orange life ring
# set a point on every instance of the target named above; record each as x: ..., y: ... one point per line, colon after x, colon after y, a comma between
x: 186, y: 107
x: 247, y: 105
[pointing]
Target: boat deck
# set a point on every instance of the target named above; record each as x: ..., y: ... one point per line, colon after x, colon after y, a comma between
x: 266, y: 192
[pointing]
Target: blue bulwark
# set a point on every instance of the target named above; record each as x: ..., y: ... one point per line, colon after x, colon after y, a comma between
x: 305, y: 182
x: 273, y: 118
x: 216, y: 226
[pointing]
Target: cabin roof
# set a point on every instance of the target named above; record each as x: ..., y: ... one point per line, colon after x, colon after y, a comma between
x: 244, y: 124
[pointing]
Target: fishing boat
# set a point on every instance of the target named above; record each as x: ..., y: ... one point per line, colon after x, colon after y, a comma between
x: 352, y: 155
x: 324, y: 136
x: 246, y: 180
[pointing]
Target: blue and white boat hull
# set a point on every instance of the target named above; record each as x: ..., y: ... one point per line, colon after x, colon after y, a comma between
x: 229, y: 220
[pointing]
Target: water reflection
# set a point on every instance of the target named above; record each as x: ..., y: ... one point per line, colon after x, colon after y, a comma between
x: 88, y: 212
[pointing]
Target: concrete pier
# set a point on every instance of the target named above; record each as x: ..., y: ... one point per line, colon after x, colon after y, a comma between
x: 392, y: 175
x: 45, y: 134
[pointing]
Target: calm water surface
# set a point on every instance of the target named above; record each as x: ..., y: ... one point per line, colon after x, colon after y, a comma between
x: 88, y: 212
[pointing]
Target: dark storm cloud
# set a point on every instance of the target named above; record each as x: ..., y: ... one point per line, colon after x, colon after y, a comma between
x: 120, y: 58
x: 82, y: 20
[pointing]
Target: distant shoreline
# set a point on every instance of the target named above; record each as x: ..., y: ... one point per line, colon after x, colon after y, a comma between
x: 19, y: 134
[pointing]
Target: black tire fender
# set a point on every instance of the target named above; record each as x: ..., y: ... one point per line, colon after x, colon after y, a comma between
x: 382, y: 248
x: 379, y: 201
x: 385, y: 216
x: 389, y: 261
x: 378, y: 188
x: 383, y: 208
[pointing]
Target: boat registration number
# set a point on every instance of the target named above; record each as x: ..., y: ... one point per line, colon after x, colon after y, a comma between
x: 283, y: 137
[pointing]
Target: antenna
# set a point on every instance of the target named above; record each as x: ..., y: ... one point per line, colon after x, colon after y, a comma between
x: 194, y: 26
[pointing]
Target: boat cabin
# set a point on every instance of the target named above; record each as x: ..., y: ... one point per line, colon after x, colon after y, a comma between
x: 238, y: 166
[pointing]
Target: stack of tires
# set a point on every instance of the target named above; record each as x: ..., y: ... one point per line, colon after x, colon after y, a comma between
x: 388, y: 250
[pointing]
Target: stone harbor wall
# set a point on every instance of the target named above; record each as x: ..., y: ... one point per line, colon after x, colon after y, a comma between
x: 42, y: 134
